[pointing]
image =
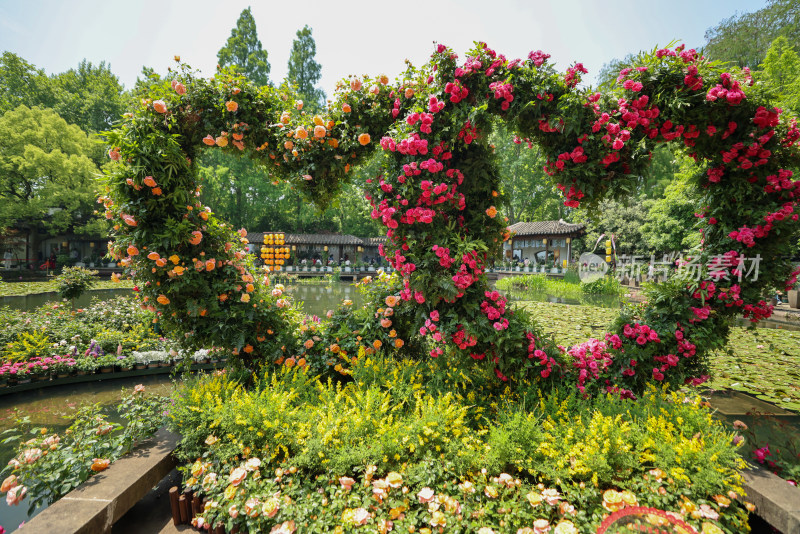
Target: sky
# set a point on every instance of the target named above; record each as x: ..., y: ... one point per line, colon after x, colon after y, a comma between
x: 353, y: 37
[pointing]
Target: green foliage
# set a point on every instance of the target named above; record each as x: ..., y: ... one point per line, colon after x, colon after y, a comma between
x: 743, y: 39
x: 47, y: 175
x: 27, y: 345
x: 22, y: 84
x: 50, y: 465
x: 666, y: 228
x: 74, y: 281
x: 477, y: 450
x: 622, y: 219
x: 781, y: 72
x: 89, y: 96
x: 304, y: 71
x: 243, y: 50
x: 605, y: 285
x: 528, y: 194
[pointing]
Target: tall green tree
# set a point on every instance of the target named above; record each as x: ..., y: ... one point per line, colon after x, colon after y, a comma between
x: 622, y: 220
x: 243, y: 49
x: 743, y: 39
x: 781, y: 72
x: 669, y: 224
x: 528, y: 193
x: 22, y: 84
x: 304, y: 71
x: 47, y: 175
x: 89, y: 96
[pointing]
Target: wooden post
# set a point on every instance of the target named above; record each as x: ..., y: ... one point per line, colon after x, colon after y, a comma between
x: 174, y: 505
x: 197, y: 506
x: 184, y: 509
x: 219, y: 528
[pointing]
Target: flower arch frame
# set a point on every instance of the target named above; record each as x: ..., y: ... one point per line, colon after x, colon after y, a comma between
x: 438, y: 198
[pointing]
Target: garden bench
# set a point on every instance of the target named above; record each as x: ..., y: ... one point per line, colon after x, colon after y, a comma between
x: 94, y: 506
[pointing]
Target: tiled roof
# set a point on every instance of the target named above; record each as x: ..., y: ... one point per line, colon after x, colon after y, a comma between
x: 318, y: 239
x: 547, y: 228
x: 374, y: 241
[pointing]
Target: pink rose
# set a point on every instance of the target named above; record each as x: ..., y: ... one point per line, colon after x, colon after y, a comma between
x: 15, y: 495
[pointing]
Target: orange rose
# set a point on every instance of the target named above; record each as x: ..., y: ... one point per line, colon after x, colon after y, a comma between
x: 153, y: 256
x: 346, y: 108
x: 391, y: 301
x: 161, y: 262
x: 222, y: 140
x: 209, y: 140
x: 248, y: 348
x: 162, y: 299
x: 491, y: 212
x: 364, y: 138
x: 333, y: 142
x: 386, y: 323
x: 398, y: 343
x: 355, y: 85
x: 100, y: 464
x: 320, y: 131
x: 156, y: 191
x: 230, y: 105
x: 223, y: 297
x: 132, y: 251
x: 180, y: 88
x: 160, y: 106
x: 197, y: 236
x: 377, y: 344
x: 8, y: 483
x: 149, y: 182
x: 301, y: 133
x: 210, y: 264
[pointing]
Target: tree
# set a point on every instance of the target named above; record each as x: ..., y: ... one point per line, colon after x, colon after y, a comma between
x: 243, y: 49
x: 47, y: 176
x: 607, y: 76
x: 620, y: 220
x: 669, y: 227
x: 22, y: 84
x: 304, y: 71
x: 781, y: 72
x: 744, y: 39
x: 529, y: 194
x: 89, y: 96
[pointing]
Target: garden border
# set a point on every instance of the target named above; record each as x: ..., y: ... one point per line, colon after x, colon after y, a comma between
x: 776, y: 501
x: 96, y: 377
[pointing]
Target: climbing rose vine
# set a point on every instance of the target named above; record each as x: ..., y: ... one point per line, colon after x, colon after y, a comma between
x: 438, y: 197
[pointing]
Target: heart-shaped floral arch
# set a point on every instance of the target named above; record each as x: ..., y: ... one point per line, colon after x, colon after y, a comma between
x: 438, y: 198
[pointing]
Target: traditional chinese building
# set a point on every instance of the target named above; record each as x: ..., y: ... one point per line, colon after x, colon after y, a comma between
x: 542, y: 241
x: 322, y: 246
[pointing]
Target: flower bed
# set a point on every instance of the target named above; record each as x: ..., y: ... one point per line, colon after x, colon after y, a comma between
x: 410, y: 446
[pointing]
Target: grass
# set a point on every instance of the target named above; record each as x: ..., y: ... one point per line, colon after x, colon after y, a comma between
x: 763, y: 362
x: 11, y: 289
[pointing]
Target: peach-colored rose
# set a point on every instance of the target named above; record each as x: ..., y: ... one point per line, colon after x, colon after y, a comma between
x: 222, y: 141
x: 100, y: 464
x: 149, y: 181
x: 360, y: 516
x: 180, y: 88
x: 114, y: 154
x: 287, y: 527
x: 233, y: 511
x: 395, y: 480
x: 270, y: 507
x: 237, y: 475
x: 425, y: 495
x: 31, y: 455
x: 160, y: 106
x: 230, y: 105
x: 209, y: 140
x: 197, y: 236
x: 252, y: 507
x: 355, y: 84
x: 347, y: 483
x: 138, y: 388
x: 8, y: 483
x: 15, y: 495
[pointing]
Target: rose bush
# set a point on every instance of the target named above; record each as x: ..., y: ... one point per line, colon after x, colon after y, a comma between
x: 438, y: 198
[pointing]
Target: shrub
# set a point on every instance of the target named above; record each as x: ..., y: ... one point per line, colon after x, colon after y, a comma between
x: 74, y: 281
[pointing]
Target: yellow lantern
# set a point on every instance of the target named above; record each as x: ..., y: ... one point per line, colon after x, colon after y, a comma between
x: 565, y: 264
x: 608, y: 259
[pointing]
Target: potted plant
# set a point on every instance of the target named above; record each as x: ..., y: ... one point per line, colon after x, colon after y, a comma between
x: 793, y: 296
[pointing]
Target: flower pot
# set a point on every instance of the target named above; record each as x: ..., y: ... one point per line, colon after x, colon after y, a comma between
x: 80, y: 372
x: 164, y: 364
x: 107, y: 369
x: 348, y: 269
x: 3, y: 383
x: 793, y: 296
x: 62, y: 375
x: 140, y: 366
x: 23, y: 380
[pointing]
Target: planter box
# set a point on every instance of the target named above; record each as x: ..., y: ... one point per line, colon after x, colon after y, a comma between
x: 348, y: 270
x: 793, y: 296
x: 289, y: 269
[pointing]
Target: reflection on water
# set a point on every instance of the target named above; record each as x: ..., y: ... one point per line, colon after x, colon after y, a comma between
x: 29, y: 302
x: 601, y: 301
x: 318, y: 299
